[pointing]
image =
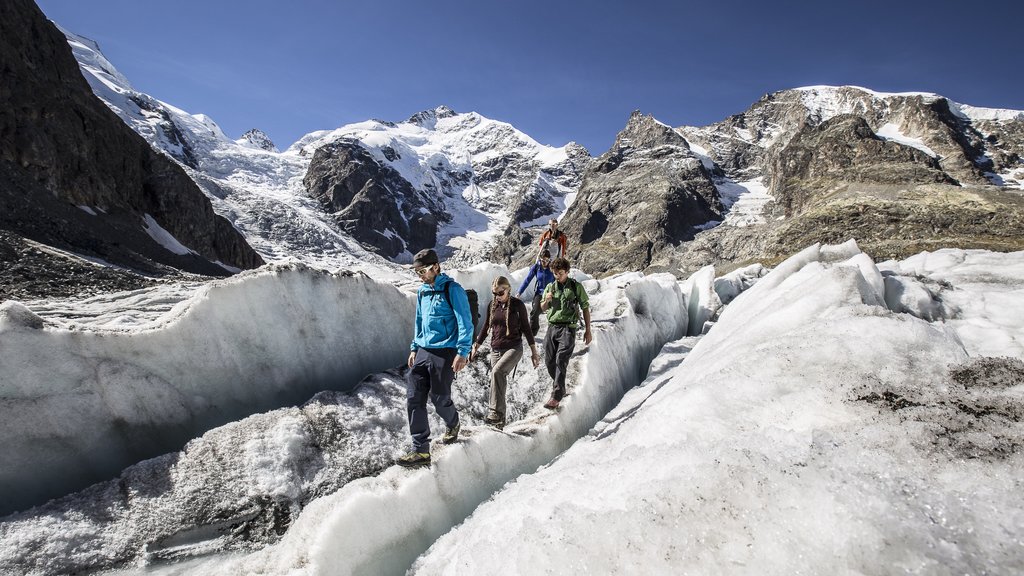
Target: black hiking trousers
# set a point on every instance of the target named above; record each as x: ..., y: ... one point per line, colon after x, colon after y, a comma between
x: 431, y: 376
x: 559, y: 342
x: 535, y: 315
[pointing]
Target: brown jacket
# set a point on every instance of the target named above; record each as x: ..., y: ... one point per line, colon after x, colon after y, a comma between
x: 518, y: 325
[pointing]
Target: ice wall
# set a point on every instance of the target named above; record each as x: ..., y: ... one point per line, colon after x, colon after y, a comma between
x: 78, y: 406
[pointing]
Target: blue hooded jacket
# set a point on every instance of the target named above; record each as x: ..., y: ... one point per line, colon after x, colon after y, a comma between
x: 437, y: 324
x: 544, y: 277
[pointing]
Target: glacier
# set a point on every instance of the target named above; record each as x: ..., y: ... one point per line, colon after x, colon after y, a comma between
x: 836, y: 415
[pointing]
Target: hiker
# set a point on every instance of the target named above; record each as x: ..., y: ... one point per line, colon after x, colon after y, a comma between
x: 440, y: 348
x: 562, y: 301
x: 506, y: 318
x: 541, y: 272
x: 553, y: 234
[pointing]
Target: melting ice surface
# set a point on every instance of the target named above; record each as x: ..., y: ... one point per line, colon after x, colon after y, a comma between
x: 839, y: 417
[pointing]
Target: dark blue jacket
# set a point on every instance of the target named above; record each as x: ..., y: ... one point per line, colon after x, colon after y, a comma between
x: 543, y: 275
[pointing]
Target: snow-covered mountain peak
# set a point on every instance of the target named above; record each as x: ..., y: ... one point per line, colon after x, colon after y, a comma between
x: 258, y: 139
x: 428, y: 118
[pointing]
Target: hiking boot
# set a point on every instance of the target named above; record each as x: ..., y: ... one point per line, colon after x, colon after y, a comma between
x: 495, y: 421
x: 414, y: 460
x: 452, y: 434
x: 551, y: 404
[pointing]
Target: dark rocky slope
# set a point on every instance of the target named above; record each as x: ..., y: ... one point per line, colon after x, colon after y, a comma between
x: 62, y: 149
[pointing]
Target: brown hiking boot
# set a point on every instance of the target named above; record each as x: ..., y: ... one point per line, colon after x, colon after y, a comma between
x: 551, y: 404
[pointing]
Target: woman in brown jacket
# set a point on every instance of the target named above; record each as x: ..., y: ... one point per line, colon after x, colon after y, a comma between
x: 509, y: 323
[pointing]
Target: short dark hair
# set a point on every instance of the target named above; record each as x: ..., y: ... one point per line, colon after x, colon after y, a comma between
x: 546, y: 253
x: 560, y: 264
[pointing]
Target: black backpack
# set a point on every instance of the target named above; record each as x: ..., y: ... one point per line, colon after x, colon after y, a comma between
x: 474, y: 304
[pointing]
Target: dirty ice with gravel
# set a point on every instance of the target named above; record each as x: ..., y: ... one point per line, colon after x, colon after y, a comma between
x: 829, y: 415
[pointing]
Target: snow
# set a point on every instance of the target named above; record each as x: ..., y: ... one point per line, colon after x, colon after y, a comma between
x: 969, y: 112
x: 163, y: 237
x: 827, y: 102
x: 821, y: 425
x: 745, y: 201
x: 892, y: 132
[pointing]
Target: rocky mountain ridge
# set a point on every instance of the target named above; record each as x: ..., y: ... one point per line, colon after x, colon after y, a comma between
x: 898, y: 172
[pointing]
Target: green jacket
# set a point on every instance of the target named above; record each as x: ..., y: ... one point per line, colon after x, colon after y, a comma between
x: 566, y: 302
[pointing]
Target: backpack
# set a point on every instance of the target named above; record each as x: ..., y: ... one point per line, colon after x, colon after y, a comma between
x: 474, y: 304
x: 553, y: 238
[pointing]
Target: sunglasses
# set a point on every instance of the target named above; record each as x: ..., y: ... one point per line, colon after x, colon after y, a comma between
x: 423, y: 270
x: 499, y: 293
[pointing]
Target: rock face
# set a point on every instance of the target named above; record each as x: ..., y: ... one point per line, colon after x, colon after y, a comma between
x: 845, y: 148
x: 647, y: 193
x: 371, y: 201
x: 74, y: 176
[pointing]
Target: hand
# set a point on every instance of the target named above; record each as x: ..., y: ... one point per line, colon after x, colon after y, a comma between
x: 460, y: 363
x: 536, y: 360
x: 587, y: 336
x: 412, y: 358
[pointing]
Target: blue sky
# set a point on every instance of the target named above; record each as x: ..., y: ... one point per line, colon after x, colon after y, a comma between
x: 557, y: 70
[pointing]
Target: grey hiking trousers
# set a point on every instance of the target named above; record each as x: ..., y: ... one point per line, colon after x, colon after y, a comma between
x: 503, y: 362
x: 431, y: 376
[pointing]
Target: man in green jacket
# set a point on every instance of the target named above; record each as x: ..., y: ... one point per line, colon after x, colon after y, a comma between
x: 563, y: 300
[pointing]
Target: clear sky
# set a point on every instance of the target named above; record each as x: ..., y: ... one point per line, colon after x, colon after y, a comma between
x: 557, y: 70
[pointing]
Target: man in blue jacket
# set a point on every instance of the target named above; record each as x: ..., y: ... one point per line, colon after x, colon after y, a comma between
x: 540, y: 271
x: 440, y: 348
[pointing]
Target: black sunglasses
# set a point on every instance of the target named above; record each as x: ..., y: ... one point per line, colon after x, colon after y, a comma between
x: 499, y: 293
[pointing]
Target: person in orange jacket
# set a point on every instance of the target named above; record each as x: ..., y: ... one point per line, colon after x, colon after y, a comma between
x: 554, y: 236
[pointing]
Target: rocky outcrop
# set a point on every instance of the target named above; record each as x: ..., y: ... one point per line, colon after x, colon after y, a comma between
x: 371, y: 201
x: 844, y: 149
x: 648, y: 192
x: 75, y: 176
